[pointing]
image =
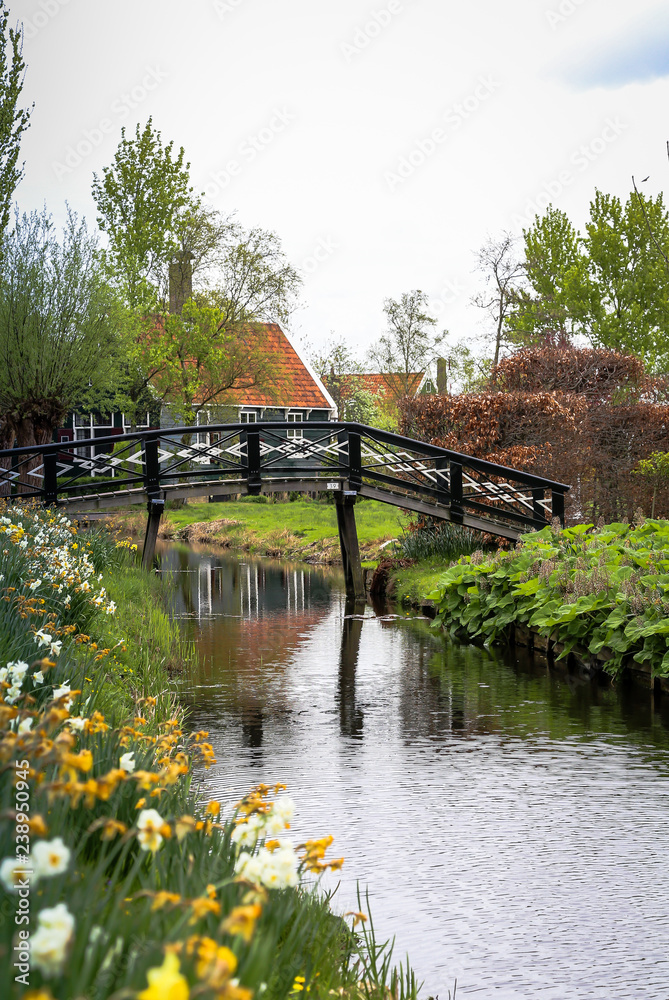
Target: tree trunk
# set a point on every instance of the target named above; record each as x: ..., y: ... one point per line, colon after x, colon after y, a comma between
x: 7, y: 435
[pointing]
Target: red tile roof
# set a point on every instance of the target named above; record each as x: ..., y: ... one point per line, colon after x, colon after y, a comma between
x: 296, y: 385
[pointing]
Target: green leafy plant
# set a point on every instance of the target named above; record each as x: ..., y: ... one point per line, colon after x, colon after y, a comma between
x: 604, y: 591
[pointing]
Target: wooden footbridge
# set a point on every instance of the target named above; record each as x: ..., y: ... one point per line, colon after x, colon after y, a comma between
x: 222, y: 460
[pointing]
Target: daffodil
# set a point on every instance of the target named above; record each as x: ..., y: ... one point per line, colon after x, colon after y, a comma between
x: 49, y: 943
x: 242, y: 920
x: 151, y: 827
x: 15, y: 874
x: 51, y: 857
x: 166, y: 981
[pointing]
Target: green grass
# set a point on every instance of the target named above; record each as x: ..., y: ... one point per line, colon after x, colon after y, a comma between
x: 412, y: 584
x: 309, y: 519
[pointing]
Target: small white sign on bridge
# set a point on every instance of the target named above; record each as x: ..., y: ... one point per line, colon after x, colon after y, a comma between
x: 333, y: 486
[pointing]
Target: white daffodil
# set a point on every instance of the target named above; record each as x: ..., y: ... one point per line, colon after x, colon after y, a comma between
x: 48, y: 945
x: 280, y: 816
x: 127, y: 762
x: 14, y: 874
x: 18, y: 671
x: 25, y: 726
x: 149, y: 825
x: 50, y: 857
x: 274, y: 869
x: 38, y: 677
x: 13, y: 694
x: 76, y: 722
x: 247, y: 833
x: 35, y: 584
x: 61, y: 691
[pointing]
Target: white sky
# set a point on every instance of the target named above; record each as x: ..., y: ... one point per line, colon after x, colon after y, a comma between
x: 302, y: 115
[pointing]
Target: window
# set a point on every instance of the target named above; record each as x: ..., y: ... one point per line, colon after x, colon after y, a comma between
x: 295, y: 432
x: 248, y: 417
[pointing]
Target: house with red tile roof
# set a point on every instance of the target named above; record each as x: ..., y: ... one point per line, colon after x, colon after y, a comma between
x: 296, y: 394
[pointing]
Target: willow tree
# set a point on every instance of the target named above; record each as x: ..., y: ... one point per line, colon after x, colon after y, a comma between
x: 57, y: 326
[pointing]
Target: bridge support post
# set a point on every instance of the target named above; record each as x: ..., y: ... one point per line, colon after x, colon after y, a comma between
x: 155, y: 508
x: 350, y: 550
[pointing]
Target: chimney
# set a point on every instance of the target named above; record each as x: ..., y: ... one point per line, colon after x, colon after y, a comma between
x: 181, y: 281
x: 442, y: 377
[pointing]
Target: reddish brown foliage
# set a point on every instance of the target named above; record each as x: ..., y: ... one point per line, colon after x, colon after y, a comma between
x: 562, y: 368
x: 585, y: 418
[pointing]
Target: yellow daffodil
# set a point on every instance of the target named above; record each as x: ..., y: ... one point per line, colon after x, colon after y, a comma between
x: 163, y: 898
x: 166, y: 982
x: 215, y: 965
x: 184, y: 825
x: 242, y: 920
x: 201, y: 906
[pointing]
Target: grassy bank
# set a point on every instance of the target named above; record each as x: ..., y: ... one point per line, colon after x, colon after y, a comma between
x: 602, y: 593
x: 115, y: 880
x: 301, y: 529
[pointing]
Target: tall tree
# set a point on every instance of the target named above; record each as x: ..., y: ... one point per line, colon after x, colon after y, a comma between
x: 610, y: 284
x: 630, y: 312
x: 140, y: 199
x: 503, y: 271
x: 57, y: 325
x: 554, y: 303
x: 408, y: 347
x: 14, y: 120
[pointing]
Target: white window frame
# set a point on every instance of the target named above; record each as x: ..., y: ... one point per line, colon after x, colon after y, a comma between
x: 248, y: 417
x: 295, y: 418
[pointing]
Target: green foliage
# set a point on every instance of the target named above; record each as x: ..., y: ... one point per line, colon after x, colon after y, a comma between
x: 443, y: 540
x: 201, y: 359
x: 601, y: 590
x: 58, y: 340
x: 611, y: 284
x: 139, y: 198
x: 466, y: 373
x: 655, y: 469
x: 13, y: 120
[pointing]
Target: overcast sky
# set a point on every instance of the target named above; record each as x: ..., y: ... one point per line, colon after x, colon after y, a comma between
x: 382, y: 141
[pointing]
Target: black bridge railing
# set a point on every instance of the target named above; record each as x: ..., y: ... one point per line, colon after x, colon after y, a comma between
x: 225, y: 459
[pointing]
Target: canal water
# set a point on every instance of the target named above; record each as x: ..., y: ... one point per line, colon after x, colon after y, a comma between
x: 512, y: 825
